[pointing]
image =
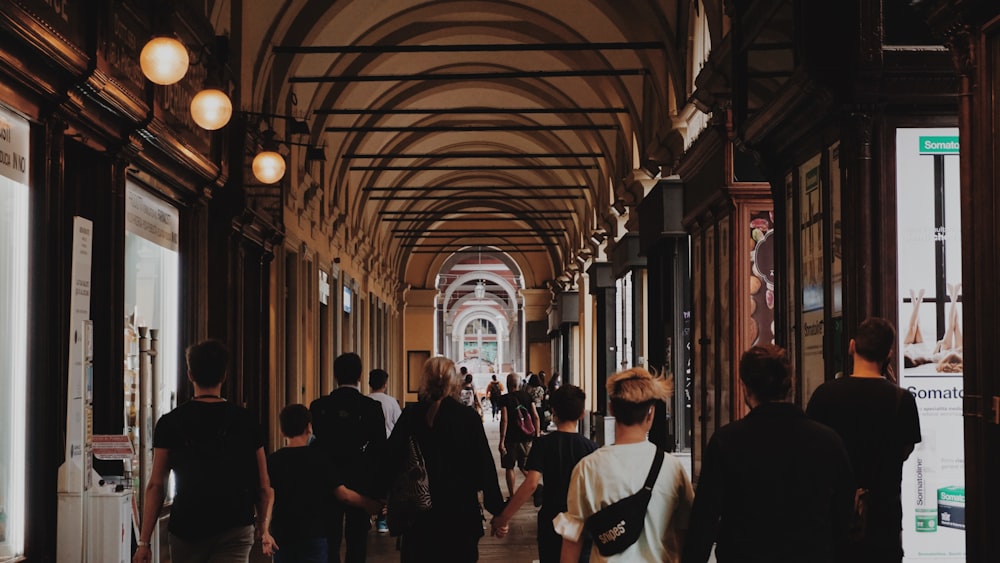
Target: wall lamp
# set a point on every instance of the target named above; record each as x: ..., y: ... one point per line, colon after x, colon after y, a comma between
x: 269, y: 165
x: 164, y: 60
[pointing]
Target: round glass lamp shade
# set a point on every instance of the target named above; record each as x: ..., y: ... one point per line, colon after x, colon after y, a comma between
x: 211, y: 109
x: 268, y: 167
x: 164, y: 60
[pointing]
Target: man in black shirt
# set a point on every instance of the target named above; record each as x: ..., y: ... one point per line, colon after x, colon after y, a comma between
x: 879, y: 424
x: 350, y: 428
x: 553, y: 458
x: 774, y: 486
x: 216, y: 451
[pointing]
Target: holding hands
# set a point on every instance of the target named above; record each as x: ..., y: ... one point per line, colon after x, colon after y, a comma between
x: 499, y: 527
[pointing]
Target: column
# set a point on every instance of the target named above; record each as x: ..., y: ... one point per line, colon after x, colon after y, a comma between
x: 602, y: 287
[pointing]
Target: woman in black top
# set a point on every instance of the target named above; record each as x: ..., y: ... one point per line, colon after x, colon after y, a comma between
x: 459, y: 465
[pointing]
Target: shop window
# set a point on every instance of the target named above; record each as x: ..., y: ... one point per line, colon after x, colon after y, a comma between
x: 13, y: 358
x: 151, y: 302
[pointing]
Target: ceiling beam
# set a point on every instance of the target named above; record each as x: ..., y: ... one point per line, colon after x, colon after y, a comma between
x: 476, y: 212
x: 516, y: 250
x: 497, y: 243
x: 470, y: 111
x: 464, y: 48
x: 467, y: 188
x: 440, y: 219
x: 498, y: 234
x: 471, y: 154
x: 466, y: 128
x: 404, y: 167
x: 467, y: 198
x: 510, y: 230
x: 455, y: 76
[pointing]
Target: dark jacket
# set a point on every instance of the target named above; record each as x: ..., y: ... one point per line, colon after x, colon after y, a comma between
x: 350, y: 427
x: 459, y: 465
x: 774, y: 487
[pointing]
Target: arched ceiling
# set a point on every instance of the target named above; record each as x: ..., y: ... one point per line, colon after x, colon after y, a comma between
x: 454, y: 124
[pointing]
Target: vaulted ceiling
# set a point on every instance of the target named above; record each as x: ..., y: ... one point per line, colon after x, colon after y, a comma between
x: 450, y: 125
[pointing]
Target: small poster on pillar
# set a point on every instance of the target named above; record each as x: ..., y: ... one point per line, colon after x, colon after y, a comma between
x: 931, y: 340
x: 762, y: 280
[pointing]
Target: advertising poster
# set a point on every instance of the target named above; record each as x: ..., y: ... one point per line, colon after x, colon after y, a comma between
x: 762, y: 280
x: 811, y: 234
x: 930, y: 340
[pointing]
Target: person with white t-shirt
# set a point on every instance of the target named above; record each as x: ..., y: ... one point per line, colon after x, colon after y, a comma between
x: 615, y: 472
x: 378, y: 380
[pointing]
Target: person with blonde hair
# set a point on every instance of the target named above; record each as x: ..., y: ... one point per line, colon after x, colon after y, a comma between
x: 459, y: 464
x: 617, y: 472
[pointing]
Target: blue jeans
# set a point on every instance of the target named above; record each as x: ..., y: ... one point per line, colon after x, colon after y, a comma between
x: 312, y: 550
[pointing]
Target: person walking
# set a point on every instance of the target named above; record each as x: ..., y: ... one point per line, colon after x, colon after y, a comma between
x: 495, y: 394
x: 216, y: 450
x: 551, y: 460
x: 378, y: 380
x: 616, y: 472
x: 305, y: 483
x: 519, y: 425
x: 458, y: 465
x: 467, y: 394
x: 350, y: 428
x: 879, y: 424
x: 775, y: 486
x: 536, y: 390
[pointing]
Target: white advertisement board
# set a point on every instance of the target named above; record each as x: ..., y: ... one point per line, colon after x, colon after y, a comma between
x: 930, y: 340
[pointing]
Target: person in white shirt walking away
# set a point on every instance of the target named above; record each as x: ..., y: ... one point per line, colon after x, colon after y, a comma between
x: 378, y: 380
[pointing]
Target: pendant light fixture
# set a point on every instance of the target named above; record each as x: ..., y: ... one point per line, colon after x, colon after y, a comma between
x: 164, y: 60
x: 211, y: 109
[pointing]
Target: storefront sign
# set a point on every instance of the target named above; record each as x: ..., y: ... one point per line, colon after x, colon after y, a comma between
x: 151, y: 218
x: 64, y: 16
x: 930, y: 341
x: 14, y: 145
x: 939, y: 145
x: 126, y: 33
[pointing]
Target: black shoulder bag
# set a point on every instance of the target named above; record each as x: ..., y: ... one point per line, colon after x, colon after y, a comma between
x: 410, y: 493
x: 617, y: 526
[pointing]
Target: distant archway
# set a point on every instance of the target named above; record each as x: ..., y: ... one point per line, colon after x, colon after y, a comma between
x: 480, y: 313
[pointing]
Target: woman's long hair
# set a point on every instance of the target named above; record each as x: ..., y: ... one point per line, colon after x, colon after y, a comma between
x: 440, y: 379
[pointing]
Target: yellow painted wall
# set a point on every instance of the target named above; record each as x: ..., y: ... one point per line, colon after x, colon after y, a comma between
x: 418, y: 333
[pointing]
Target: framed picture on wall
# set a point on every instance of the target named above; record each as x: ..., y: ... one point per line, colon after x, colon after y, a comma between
x: 415, y: 360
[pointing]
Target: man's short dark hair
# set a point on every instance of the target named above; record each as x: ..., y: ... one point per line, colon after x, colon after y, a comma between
x: 766, y: 372
x: 468, y: 378
x: 875, y: 339
x: 294, y: 420
x: 463, y: 370
x: 377, y: 378
x: 207, y: 362
x: 567, y: 402
x: 347, y: 369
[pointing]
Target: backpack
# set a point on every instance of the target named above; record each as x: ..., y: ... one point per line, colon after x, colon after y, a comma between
x: 524, y: 420
x: 468, y: 396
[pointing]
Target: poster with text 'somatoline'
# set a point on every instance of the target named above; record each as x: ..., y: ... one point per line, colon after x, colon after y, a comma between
x: 930, y: 341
